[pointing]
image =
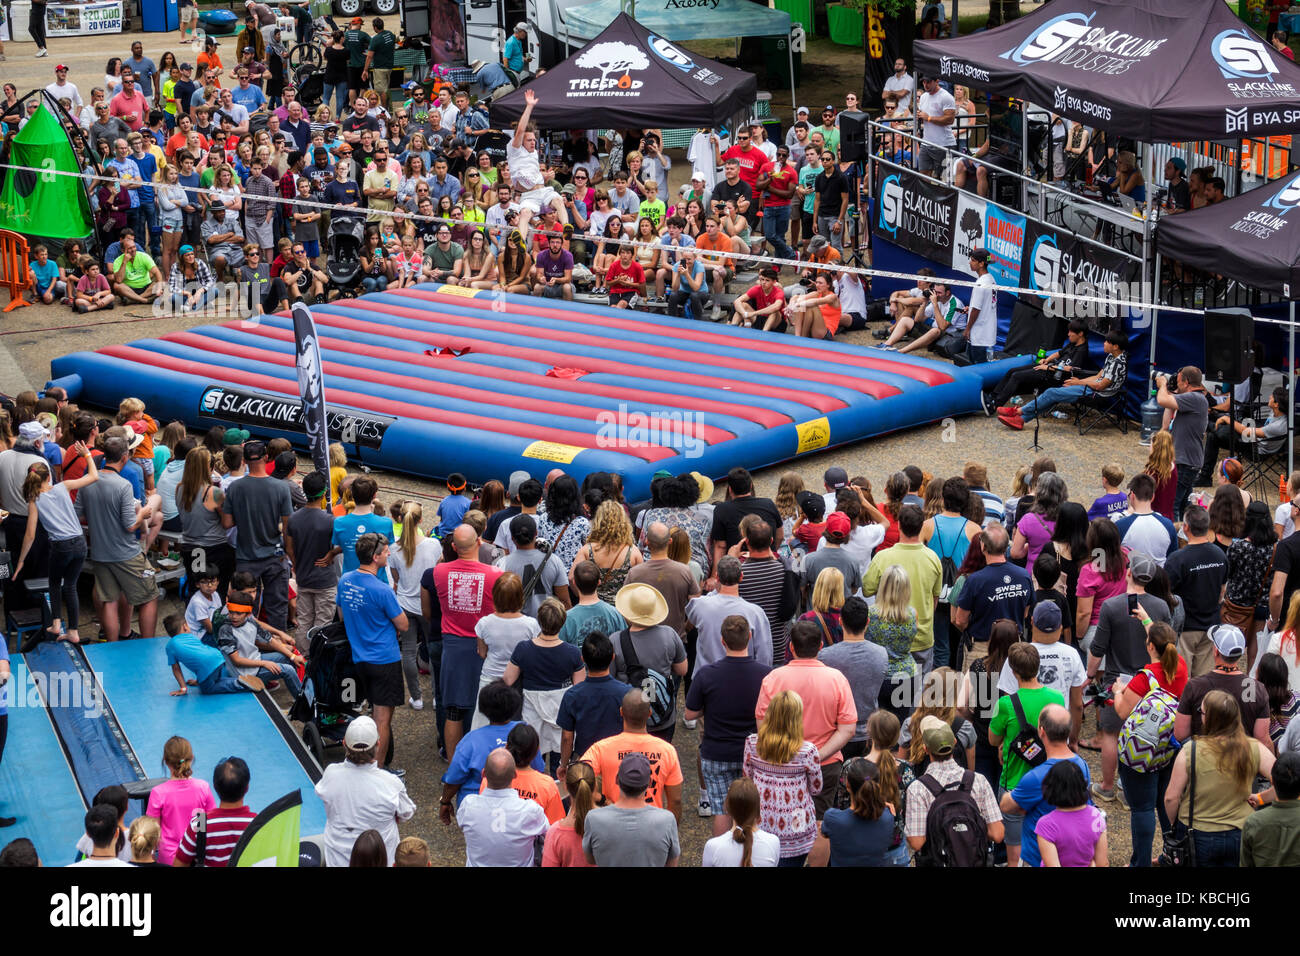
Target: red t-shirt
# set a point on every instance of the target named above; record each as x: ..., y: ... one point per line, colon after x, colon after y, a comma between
x: 810, y: 533
x: 1140, y: 684
x: 751, y: 161
x: 763, y: 299
x: 783, y: 176
x: 225, y: 827
x: 633, y: 274
x: 178, y: 142
x: 74, y: 466
x: 465, y: 594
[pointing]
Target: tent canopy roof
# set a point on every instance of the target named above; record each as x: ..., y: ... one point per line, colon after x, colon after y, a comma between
x: 681, y: 21
x: 631, y: 77
x: 1156, y: 70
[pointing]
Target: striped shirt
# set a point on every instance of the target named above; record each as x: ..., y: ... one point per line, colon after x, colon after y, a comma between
x: 762, y: 582
x: 225, y: 827
x: 262, y: 187
x: 993, y: 507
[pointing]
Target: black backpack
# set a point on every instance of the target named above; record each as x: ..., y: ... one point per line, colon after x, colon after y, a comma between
x: 955, y: 832
x: 658, y: 688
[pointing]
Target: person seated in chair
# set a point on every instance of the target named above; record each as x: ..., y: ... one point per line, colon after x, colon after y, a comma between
x: 225, y: 241
x: 1105, y: 384
x: 1270, y: 436
x: 1067, y: 361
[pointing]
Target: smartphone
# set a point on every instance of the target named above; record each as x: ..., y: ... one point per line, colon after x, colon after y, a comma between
x: 1132, y: 603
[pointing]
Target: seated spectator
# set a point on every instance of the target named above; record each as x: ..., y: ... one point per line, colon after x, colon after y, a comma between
x: 187, y: 651
x: 46, y: 276
x: 1105, y: 384
x: 258, y: 648
x: 136, y: 277
x: 224, y: 239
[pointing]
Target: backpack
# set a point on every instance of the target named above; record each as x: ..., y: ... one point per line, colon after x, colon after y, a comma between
x: 955, y: 832
x: 657, y: 687
x: 1146, y: 739
x: 946, y: 564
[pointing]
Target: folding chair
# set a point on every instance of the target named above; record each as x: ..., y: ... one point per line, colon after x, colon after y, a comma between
x: 1098, y: 409
x: 1263, y: 468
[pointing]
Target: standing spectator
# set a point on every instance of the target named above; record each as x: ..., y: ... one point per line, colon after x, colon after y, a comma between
x: 1250, y: 694
x: 863, y: 664
x: 259, y: 506
x: 378, y: 67
x: 943, y: 773
x: 860, y: 834
x: 1073, y: 834
x: 1227, y: 762
x: 664, y: 788
x: 746, y: 845
x: 590, y: 711
x: 1196, y: 575
x: 499, y: 825
x: 936, y: 110
x: 670, y: 578
x: 499, y: 702
x: 1249, y: 559
x: 563, y: 846
x: 358, y: 796
x: 1187, y: 412
x: 541, y: 572
x: 828, y: 712
x: 631, y: 831
x: 1142, y: 530
x: 708, y: 612
x: 784, y: 766
x: 101, y: 823
x: 373, y: 619
x: 173, y: 802
x: 112, y: 515
x: 407, y: 563
x: 223, y: 826
x: 762, y: 580
x: 949, y: 535
x: 726, y: 695
x: 988, y: 595
x: 740, y: 503
x: 924, y: 574
x: 900, y: 83
x: 590, y: 614
x: 655, y: 647
x: 464, y: 591
x: 307, y: 542
x: 982, y: 314
x: 1059, y: 666
x: 543, y: 667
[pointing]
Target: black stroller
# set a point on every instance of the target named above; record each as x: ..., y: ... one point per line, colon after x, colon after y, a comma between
x: 329, y: 699
x: 343, y: 245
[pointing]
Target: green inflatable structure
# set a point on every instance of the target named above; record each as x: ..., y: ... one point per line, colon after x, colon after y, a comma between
x: 44, y: 204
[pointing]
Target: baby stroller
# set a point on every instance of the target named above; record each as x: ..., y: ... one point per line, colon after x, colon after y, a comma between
x: 328, y: 701
x: 343, y: 245
x: 310, y: 79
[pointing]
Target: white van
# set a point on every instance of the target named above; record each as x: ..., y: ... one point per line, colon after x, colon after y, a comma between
x: 488, y: 23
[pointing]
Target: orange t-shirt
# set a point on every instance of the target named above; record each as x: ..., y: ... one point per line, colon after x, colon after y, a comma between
x: 721, y: 244
x: 540, y: 788
x: 147, y: 427
x: 665, y: 769
x: 213, y: 61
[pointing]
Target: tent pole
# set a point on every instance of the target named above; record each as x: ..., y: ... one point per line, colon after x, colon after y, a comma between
x: 1150, y: 293
x: 1290, y: 434
x: 789, y: 52
x: 1024, y: 153
x: 955, y: 26
x: 1155, y: 319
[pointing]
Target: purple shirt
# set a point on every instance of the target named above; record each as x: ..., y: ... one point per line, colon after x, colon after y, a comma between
x: 554, y: 267
x: 1075, y: 833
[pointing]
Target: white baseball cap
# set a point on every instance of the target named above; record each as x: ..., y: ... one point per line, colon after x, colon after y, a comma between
x: 362, y: 734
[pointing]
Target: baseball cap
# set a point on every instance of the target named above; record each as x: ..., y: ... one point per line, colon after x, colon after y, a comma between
x: 410, y: 85
x: 60, y: 67
x: 811, y: 504
x: 249, y: 49
x: 836, y: 477
x: 634, y: 773
x: 186, y: 66
x: 1179, y: 163
x: 236, y: 436
x: 838, y: 526
x: 254, y: 450
x: 1047, y: 617
x: 828, y: 109
x: 521, y: 25
x: 284, y: 463
x: 936, y: 735
x: 517, y: 478
x: 1141, y: 567
x: 980, y: 255
x: 1228, y: 640
x: 210, y: 40
x: 184, y: 249
x: 356, y: 21
x: 569, y: 189
x: 362, y: 734
x: 314, y: 485
x: 802, y: 109
x: 33, y: 431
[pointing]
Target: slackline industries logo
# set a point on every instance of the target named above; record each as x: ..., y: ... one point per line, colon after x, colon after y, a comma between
x: 1270, y: 218
x: 918, y: 214
x: 274, y: 412
x: 1072, y: 40
x: 615, y: 61
x: 1045, y: 273
x: 1248, y: 65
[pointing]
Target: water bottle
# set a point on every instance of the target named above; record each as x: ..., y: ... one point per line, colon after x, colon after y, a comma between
x: 1152, y: 417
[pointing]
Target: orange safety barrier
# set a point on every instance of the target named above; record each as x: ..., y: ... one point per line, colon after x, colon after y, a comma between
x: 1269, y: 159
x: 13, y: 268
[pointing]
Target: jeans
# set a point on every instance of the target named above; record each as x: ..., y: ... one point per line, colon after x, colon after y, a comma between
x: 1053, y: 396
x: 178, y: 300
x: 941, y: 626
x: 374, y: 283
x: 66, y: 558
x: 836, y: 239
x: 1146, y: 798
x: 409, y: 641
x: 1219, y: 849
x: 219, y: 682
x: 979, y: 354
x: 1186, y: 479
x: 150, y: 222
x: 1022, y: 381
x: 901, y: 855
x: 273, y: 581
x: 288, y: 672
x: 776, y: 223
x: 340, y: 93
x: 435, y: 665
x: 36, y: 25
x: 677, y: 302
x: 793, y: 861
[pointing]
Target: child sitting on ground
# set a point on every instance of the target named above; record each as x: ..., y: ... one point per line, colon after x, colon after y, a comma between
x: 204, y: 604
x: 187, y: 651
x: 93, y: 291
x: 257, y: 648
x: 452, y: 510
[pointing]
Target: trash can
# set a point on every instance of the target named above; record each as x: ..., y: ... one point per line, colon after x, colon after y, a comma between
x: 159, y: 16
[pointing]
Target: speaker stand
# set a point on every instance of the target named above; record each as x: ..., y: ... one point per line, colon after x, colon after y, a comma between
x: 1038, y: 417
x: 853, y: 226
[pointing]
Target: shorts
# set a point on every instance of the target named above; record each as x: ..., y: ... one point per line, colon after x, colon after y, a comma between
x: 133, y: 578
x: 260, y: 234
x: 718, y: 778
x: 311, y: 247
x: 852, y: 321
x: 616, y: 297
x: 535, y: 199
x: 381, y: 684
x: 174, y: 225
x: 808, y: 224
x: 146, y: 466
x: 1012, y: 823
x: 1108, y: 722
x: 379, y: 78
x: 354, y: 78
x: 727, y: 272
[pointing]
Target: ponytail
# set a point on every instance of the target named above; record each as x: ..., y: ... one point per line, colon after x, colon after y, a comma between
x: 744, y: 835
x: 37, y: 475
x: 742, y: 805
x: 1162, y: 638
x: 882, y: 729
x: 580, y: 780
x: 411, y: 517
x: 868, y: 803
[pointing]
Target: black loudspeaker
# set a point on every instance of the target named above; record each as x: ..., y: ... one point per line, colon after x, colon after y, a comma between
x: 415, y: 19
x: 1229, y: 340
x: 853, y: 137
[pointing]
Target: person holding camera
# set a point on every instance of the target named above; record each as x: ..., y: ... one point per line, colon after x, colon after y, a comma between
x: 688, y: 283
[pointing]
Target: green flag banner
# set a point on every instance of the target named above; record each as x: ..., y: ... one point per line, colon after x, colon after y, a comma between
x: 44, y: 204
x: 272, y: 838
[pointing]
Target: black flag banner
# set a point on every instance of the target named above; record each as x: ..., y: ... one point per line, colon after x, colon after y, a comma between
x: 311, y: 387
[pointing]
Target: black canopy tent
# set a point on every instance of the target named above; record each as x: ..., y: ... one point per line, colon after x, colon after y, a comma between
x: 1253, y: 238
x: 1155, y: 70
x: 630, y: 77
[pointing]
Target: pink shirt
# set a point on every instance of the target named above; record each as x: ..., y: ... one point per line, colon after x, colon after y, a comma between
x: 173, y: 804
x: 563, y: 847
x: 123, y: 105
x: 1093, y: 585
x: 826, y: 695
x: 465, y: 593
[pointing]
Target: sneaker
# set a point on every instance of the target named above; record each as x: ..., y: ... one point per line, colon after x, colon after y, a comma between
x: 397, y: 772
x: 704, y: 808
x: 415, y: 704
x: 251, y: 681
x: 1101, y: 793
x: 690, y: 724
x: 1012, y: 421
x: 41, y: 53
x: 986, y: 403
x: 717, y: 312
x: 634, y: 302
x: 880, y: 334
x: 1008, y: 410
